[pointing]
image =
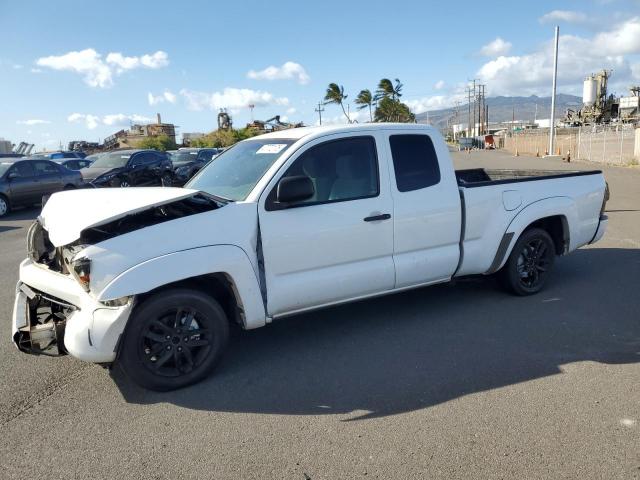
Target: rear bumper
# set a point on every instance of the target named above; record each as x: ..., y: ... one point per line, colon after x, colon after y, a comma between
x: 53, y: 315
x: 602, y: 227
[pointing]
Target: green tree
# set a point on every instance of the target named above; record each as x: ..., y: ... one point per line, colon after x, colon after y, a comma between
x: 335, y: 94
x: 161, y: 143
x: 387, y: 89
x: 364, y: 100
x: 390, y: 110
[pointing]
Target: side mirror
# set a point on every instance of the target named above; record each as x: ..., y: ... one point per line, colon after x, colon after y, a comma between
x: 295, y: 189
x: 12, y: 175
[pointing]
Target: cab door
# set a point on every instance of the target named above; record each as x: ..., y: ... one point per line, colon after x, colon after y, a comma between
x: 48, y: 177
x: 22, y: 184
x: 427, y: 209
x: 338, y: 244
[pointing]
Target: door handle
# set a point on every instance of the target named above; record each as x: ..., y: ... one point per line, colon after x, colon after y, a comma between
x: 376, y: 218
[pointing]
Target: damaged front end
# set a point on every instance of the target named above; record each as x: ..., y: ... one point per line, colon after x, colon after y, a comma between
x: 54, y: 296
x: 40, y: 320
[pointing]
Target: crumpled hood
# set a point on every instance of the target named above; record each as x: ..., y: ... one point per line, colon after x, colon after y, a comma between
x: 66, y: 214
x: 91, y: 173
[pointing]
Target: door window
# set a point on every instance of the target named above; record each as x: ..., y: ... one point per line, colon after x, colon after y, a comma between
x: 22, y: 169
x: 414, y: 161
x: 45, y: 168
x: 340, y: 170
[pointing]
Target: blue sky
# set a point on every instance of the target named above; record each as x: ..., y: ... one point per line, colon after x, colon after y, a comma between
x: 83, y: 70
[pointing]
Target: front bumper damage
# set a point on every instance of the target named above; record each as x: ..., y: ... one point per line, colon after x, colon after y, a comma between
x: 53, y: 315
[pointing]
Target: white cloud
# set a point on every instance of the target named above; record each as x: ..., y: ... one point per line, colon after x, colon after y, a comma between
x: 496, y: 48
x: 158, y: 59
x: 122, y: 119
x: 288, y: 70
x: 439, y: 85
x: 563, y: 16
x: 291, y: 110
x: 33, y: 121
x: 91, y: 121
x: 97, y: 72
x: 17, y: 67
x: 434, y: 102
x: 635, y: 71
x: 577, y: 57
x: 166, y: 96
x: 36, y: 70
x: 117, y: 119
x: 231, y: 98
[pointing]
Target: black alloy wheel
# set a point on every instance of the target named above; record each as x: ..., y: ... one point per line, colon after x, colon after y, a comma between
x: 530, y: 263
x: 166, y: 180
x: 174, y: 339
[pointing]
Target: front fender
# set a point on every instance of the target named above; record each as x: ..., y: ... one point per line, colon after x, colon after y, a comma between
x: 548, y: 207
x: 228, y: 259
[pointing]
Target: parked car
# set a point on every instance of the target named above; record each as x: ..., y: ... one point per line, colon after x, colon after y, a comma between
x: 23, y: 181
x: 74, y: 163
x: 188, y: 161
x: 70, y: 154
x: 278, y: 224
x: 129, y: 168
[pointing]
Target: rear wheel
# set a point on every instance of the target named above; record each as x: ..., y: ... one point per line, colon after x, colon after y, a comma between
x: 174, y: 339
x: 529, y: 264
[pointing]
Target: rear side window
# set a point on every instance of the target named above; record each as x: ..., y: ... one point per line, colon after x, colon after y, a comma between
x: 46, y: 168
x: 414, y: 161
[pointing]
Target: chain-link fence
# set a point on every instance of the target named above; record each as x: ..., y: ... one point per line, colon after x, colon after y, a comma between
x: 596, y: 143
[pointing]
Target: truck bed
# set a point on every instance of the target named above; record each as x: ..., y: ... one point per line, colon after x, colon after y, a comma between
x: 478, y: 177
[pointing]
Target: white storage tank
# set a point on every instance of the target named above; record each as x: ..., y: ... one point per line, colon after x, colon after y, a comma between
x: 589, y: 90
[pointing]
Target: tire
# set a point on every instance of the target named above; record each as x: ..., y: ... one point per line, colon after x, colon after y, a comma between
x: 529, y: 264
x: 166, y: 180
x: 5, y: 206
x: 156, y: 362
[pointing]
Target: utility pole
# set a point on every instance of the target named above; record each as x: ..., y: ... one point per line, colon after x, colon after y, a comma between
x: 320, y: 110
x: 552, y: 130
x: 469, y: 107
x: 475, y: 102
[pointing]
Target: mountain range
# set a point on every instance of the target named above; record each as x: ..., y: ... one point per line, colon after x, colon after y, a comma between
x: 503, y: 109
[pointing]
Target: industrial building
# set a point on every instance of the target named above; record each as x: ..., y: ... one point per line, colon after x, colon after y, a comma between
x: 130, y: 138
x: 5, y: 146
x: 600, y: 107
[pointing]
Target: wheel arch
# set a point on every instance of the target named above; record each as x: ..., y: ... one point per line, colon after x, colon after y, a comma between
x: 555, y: 215
x: 219, y: 270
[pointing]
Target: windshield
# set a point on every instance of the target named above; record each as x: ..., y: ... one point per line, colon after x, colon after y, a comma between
x: 111, y: 160
x: 234, y: 173
x: 182, y: 157
x: 4, y: 167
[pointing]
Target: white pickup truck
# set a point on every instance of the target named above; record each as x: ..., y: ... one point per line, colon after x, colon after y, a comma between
x: 150, y: 278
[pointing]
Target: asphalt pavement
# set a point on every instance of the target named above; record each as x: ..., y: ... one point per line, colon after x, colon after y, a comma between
x: 452, y: 381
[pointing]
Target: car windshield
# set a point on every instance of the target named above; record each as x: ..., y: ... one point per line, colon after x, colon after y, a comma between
x: 4, y: 167
x: 182, y: 157
x: 110, y: 160
x: 94, y: 157
x: 234, y: 173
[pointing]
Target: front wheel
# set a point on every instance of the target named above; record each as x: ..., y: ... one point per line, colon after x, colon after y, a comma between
x: 174, y: 339
x: 529, y: 264
x: 166, y: 180
x: 4, y: 206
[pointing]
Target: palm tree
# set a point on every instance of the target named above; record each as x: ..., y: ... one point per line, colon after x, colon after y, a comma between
x: 364, y: 100
x: 335, y: 94
x: 387, y: 89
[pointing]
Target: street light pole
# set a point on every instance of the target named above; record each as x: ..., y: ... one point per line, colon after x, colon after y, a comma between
x: 552, y: 130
